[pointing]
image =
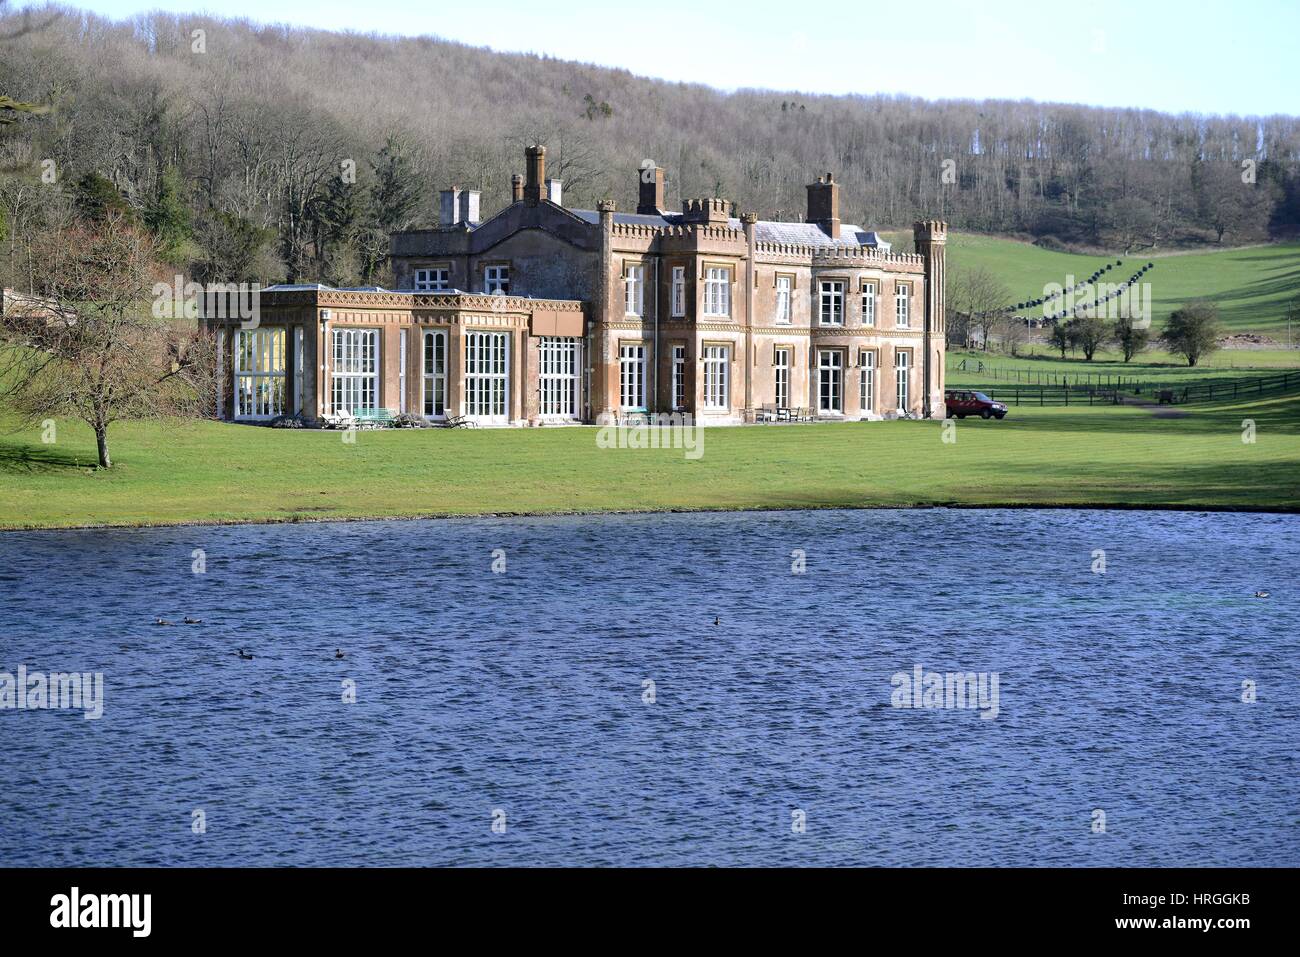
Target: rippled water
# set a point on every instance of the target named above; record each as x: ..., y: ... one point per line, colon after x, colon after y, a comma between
x: 523, y: 691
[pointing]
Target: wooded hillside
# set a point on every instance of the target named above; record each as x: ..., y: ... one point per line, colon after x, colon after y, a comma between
x: 234, y: 146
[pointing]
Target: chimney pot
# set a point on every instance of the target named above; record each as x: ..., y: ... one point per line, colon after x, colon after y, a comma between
x: 516, y: 188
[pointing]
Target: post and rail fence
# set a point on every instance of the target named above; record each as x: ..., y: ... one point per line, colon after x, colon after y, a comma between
x: 1207, y: 390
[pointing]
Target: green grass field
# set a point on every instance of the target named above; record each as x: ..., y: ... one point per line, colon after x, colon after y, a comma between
x: 1251, y: 286
x: 1042, y: 364
x: 212, y: 472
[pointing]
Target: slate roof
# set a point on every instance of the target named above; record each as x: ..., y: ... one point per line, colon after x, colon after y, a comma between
x: 807, y: 234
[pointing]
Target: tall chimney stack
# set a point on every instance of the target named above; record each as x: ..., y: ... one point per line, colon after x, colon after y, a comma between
x: 651, y: 202
x: 516, y: 188
x: 449, y: 210
x: 469, y: 199
x: 824, y: 205
x: 535, y: 156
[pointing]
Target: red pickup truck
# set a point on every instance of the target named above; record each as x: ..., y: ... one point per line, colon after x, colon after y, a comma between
x: 960, y: 403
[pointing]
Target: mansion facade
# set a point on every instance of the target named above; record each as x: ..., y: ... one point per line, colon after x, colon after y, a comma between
x: 544, y: 314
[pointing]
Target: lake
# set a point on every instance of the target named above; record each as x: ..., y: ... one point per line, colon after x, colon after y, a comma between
x: 702, y: 689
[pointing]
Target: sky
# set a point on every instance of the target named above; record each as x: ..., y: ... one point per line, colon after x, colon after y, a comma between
x: 1194, y: 56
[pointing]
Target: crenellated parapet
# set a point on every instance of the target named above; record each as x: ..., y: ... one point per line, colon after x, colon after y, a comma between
x: 838, y: 255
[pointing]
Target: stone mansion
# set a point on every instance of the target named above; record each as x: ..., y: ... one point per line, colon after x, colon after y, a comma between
x: 544, y: 314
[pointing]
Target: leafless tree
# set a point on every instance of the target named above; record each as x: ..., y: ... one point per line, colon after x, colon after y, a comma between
x: 88, y: 347
x: 979, y: 301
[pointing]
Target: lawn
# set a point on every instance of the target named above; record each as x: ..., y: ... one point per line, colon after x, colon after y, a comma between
x: 213, y: 472
x: 1042, y: 363
x: 1250, y: 285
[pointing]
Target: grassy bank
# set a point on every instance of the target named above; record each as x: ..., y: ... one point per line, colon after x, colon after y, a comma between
x: 1039, y: 363
x: 1251, y: 286
x: 212, y: 472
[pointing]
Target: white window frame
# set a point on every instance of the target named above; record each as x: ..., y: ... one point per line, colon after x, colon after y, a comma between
x: 870, y: 298
x: 487, y: 375
x: 631, y: 376
x: 679, y: 292
x: 781, y: 377
x: 867, y: 393
x: 717, y: 377
x: 496, y: 278
x: 634, y: 290
x: 717, y: 291
x: 221, y: 374
x: 401, y: 371
x: 902, y: 304
x: 902, y: 369
x: 259, y: 373
x: 354, y: 368
x: 433, y: 279
x: 433, y: 374
x: 679, y: 378
x: 784, y: 292
x: 297, y: 369
x: 830, y: 310
x: 830, y: 366
x: 559, y: 377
